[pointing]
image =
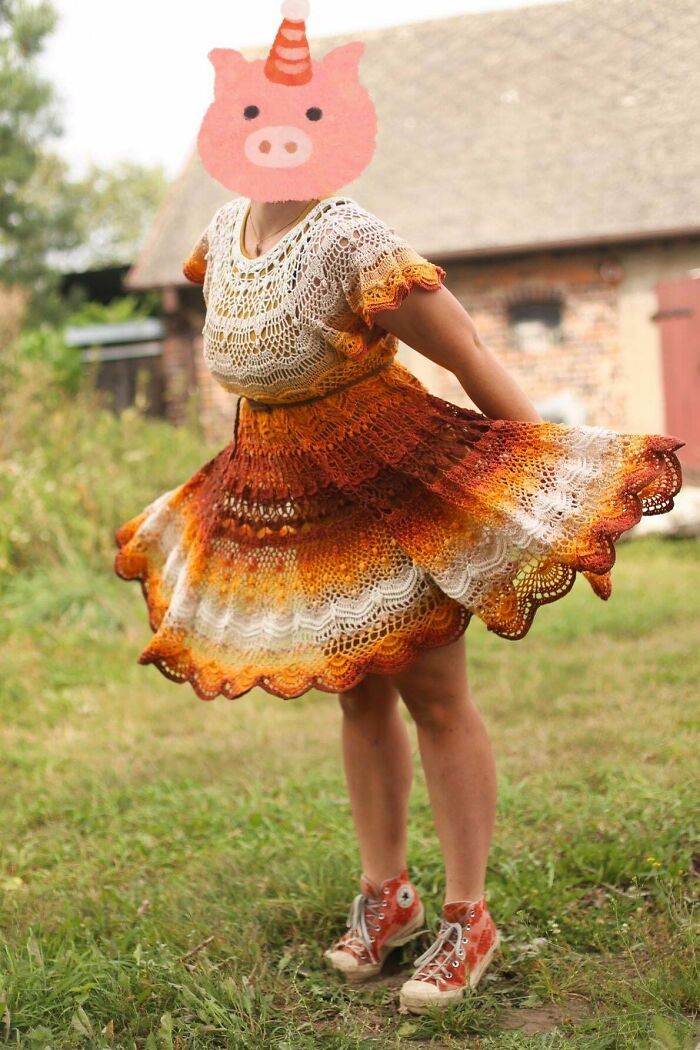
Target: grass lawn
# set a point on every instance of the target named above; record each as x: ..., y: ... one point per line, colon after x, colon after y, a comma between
x: 172, y: 869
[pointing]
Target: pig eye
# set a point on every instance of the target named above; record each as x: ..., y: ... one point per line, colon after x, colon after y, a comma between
x: 251, y: 112
x: 314, y: 113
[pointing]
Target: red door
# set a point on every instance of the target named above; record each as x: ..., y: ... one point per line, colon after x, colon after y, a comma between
x: 679, y: 321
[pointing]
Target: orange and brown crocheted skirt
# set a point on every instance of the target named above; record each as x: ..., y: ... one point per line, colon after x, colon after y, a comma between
x: 344, y: 536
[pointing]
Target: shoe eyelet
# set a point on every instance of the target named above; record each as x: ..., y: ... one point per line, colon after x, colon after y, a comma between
x: 471, y: 914
x: 455, y: 963
x: 386, y: 890
x: 468, y: 926
x: 461, y: 954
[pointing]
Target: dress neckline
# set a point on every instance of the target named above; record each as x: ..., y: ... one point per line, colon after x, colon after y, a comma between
x: 237, y: 240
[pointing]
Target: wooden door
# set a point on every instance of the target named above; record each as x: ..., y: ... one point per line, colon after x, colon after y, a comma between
x: 679, y: 321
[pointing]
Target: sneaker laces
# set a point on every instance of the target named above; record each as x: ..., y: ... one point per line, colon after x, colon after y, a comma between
x: 363, y: 911
x: 429, y: 964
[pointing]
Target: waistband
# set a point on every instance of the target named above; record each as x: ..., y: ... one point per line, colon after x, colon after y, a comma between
x: 267, y: 406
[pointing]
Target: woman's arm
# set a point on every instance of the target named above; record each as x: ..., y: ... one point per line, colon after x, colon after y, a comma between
x: 436, y: 324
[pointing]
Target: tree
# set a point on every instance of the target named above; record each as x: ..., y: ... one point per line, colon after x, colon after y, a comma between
x: 49, y: 221
x: 33, y: 217
x: 115, y: 209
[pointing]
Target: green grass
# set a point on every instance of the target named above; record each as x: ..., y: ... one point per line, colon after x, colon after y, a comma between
x: 141, y: 824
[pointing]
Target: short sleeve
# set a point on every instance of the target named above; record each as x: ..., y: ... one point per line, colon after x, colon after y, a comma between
x: 195, y: 266
x: 375, y: 267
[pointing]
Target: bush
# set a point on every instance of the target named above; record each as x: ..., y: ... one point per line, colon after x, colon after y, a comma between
x: 46, y: 344
x: 71, y: 470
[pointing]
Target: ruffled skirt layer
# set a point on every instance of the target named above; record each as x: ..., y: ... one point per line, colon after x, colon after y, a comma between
x: 341, y: 538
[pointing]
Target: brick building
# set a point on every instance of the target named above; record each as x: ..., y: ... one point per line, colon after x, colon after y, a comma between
x: 549, y: 158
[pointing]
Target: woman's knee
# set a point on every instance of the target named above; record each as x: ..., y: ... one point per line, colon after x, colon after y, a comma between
x: 435, y: 687
x: 375, y: 696
x: 435, y: 702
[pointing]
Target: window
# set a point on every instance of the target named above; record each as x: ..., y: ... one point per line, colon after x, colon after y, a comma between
x: 535, y: 324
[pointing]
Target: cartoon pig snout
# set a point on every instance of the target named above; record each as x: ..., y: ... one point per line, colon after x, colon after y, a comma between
x: 278, y: 146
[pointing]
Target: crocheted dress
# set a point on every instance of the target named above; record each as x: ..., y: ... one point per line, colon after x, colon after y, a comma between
x: 343, y: 535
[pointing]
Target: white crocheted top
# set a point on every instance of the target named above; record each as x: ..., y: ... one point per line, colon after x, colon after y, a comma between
x: 287, y: 324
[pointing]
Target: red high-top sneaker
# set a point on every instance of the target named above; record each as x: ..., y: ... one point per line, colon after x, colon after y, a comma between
x: 380, y: 918
x: 466, y: 942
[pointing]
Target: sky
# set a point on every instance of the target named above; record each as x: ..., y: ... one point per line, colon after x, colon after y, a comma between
x: 133, y: 79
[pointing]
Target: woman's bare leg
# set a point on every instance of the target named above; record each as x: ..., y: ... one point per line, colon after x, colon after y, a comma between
x: 379, y: 771
x: 458, y: 763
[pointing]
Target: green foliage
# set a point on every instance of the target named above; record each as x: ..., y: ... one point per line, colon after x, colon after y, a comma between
x: 115, y: 208
x: 51, y: 222
x: 46, y: 344
x: 29, y: 211
x: 71, y: 467
x: 125, y: 308
x: 171, y: 871
x: 24, y: 27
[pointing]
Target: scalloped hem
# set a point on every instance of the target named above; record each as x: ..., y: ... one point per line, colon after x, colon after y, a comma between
x: 596, y: 565
x: 648, y: 490
x: 266, y: 683
x: 149, y: 583
x: 397, y: 291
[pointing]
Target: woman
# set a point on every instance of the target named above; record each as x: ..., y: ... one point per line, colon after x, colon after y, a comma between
x: 355, y: 523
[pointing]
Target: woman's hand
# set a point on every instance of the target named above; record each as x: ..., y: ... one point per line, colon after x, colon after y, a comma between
x: 436, y: 325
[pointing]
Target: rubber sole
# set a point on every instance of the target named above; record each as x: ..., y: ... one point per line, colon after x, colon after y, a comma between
x: 419, y: 1005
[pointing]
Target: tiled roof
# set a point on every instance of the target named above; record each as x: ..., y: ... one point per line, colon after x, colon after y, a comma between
x: 545, y: 125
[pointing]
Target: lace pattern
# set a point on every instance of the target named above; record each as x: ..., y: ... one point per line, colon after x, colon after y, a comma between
x: 288, y: 324
x: 342, y: 537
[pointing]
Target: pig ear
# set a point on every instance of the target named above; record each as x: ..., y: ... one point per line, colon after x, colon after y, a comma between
x: 228, y: 65
x: 343, y: 62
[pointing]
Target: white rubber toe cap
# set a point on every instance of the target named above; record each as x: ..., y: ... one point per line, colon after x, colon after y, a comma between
x: 344, y: 961
x: 349, y: 965
x: 424, y: 993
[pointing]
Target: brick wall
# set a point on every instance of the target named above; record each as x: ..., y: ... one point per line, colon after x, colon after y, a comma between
x: 182, y: 310
x: 218, y: 406
x: 585, y: 365
x: 189, y: 387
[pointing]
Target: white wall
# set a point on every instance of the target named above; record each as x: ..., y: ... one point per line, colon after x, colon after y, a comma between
x: 640, y: 336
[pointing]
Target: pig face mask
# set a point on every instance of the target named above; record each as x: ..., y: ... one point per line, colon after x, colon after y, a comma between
x: 288, y: 128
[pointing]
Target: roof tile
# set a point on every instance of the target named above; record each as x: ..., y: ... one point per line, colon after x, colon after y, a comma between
x: 551, y: 124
